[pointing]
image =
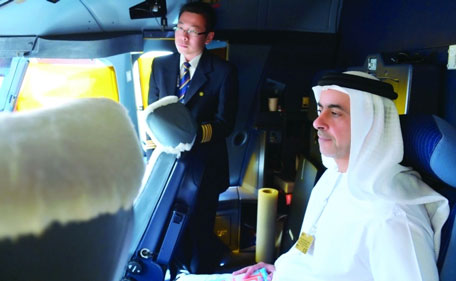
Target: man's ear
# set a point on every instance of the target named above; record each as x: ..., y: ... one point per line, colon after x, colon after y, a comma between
x: 209, y: 37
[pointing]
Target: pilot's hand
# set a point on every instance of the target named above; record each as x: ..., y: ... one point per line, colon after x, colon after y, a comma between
x: 150, y: 145
x: 270, y: 268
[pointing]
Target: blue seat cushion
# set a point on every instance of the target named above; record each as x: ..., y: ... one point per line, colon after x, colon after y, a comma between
x: 430, y: 147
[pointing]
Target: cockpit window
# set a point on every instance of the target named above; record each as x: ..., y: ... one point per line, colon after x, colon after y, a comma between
x: 141, y: 73
x: 144, y: 64
x: 53, y: 81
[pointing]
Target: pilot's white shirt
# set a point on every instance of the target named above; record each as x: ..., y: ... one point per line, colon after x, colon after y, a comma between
x: 359, y: 241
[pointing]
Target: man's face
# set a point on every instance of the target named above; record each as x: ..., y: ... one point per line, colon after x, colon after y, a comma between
x: 191, y: 45
x: 333, y: 125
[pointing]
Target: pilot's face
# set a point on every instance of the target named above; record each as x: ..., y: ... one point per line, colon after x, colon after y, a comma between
x: 191, y: 44
x: 333, y: 125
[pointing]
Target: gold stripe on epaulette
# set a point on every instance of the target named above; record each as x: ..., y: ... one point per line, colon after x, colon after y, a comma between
x: 203, y: 137
x: 150, y: 144
x: 209, y: 137
x: 207, y: 133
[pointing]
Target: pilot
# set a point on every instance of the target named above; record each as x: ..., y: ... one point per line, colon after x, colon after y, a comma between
x: 208, y: 86
x: 368, y: 218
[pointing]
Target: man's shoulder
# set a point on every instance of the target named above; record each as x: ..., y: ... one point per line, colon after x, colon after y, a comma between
x: 217, y: 61
x: 166, y: 58
x: 384, y: 211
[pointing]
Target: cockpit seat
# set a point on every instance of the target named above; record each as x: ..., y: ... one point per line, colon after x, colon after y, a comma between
x: 430, y: 148
x: 69, y: 175
x: 168, y: 191
x: 306, y: 177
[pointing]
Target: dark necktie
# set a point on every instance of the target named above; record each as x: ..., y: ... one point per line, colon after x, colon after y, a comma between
x: 184, y: 81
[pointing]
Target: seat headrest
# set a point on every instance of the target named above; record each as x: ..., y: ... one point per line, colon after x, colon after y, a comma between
x: 69, y: 163
x: 430, y: 146
x: 170, y: 125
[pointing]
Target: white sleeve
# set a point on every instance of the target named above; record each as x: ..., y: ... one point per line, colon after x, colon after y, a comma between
x: 206, y: 277
x: 401, y: 248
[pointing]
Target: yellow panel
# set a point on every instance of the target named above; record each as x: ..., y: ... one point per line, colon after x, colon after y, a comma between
x: 145, y: 67
x: 401, y: 90
x: 49, y: 82
x: 250, y: 180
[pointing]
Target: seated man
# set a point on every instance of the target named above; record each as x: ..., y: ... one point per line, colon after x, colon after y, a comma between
x: 368, y: 218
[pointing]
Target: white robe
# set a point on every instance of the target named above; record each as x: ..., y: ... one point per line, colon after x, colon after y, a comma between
x: 357, y: 240
x: 361, y: 240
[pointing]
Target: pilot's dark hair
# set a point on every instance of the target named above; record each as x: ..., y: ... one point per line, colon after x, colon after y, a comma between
x: 203, y: 9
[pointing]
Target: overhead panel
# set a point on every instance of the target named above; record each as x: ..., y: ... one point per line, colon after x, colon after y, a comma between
x: 44, y: 18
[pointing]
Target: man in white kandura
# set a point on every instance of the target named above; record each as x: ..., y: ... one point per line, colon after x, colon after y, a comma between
x: 368, y: 218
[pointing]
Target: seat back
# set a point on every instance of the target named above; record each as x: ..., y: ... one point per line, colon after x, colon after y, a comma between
x: 430, y: 148
x: 69, y: 177
x: 306, y: 178
x: 447, y: 257
x: 168, y: 191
